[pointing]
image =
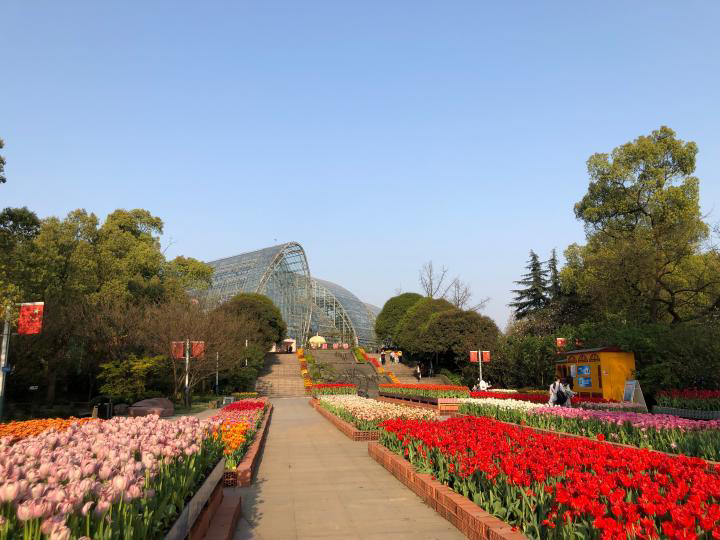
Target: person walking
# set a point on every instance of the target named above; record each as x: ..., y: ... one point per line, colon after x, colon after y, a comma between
x: 418, y: 373
x: 382, y: 357
x: 399, y: 356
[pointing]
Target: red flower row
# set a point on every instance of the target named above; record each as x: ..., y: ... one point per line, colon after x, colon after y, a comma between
x: 690, y: 394
x: 577, y: 485
x: 334, y: 385
x: 244, y: 406
x: 536, y: 398
x: 424, y: 386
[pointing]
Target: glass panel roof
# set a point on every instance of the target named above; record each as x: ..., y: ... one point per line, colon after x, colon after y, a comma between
x: 281, y: 273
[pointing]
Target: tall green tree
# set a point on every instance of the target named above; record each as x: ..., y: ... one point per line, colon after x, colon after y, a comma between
x: 259, y: 308
x: 18, y: 227
x: 80, y: 268
x: 451, y: 334
x: 392, y: 313
x: 646, y: 255
x: 532, y: 298
x: 554, y: 290
x: 409, y: 333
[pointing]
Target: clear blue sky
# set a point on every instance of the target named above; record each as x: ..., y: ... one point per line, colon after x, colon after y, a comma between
x: 379, y: 135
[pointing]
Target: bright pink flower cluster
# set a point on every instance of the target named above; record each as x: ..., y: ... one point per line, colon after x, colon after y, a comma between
x: 91, y: 466
x: 638, y: 420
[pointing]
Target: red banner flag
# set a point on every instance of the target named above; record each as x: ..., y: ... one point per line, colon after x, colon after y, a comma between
x: 178, y: 349
x: 30, y: 318
x: 486, y: 356
x: 474, y: 357
x: 197, y: 349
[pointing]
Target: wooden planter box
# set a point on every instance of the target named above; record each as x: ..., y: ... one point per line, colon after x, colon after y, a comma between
x: 346, y: 428
x: 687, y: 413
x: 195, y: 518
x: 439, y: 404
x: 469, y: 518
x: 246, y: 470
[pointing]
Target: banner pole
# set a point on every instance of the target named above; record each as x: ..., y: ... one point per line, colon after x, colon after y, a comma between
x: 187, y: 372
x: 480, y: 367
x: 4, y: 348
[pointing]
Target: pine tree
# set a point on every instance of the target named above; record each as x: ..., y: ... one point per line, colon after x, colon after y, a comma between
x: 533, y: 297
x: 553, y: 290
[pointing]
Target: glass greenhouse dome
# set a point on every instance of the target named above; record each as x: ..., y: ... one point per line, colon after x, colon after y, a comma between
x: 309, y: 306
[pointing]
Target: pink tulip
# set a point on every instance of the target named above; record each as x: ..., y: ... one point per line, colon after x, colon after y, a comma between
x: 101, y: 508
x: 9, y: 491
x: 86, y: 508
x: 24, y: 511
x: 105, y: 472
x: 60, y: 533
x: 119, y: 483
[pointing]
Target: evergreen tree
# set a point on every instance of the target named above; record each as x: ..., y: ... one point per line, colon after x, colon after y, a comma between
x: 553, y: 290
x: 533, y: 297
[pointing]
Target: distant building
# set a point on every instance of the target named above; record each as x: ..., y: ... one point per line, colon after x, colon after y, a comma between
x: 308, y: 305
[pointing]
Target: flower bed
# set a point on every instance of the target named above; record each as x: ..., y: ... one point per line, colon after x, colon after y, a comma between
x: 244, y: 395
x: 550, y: 487
x: 250, y: 419
x: 14, y: 431
x: 334, y: 389
x: 307, y: 379
x: 360, y: 355
x: 656, y: 432
x: 425, y: 390
x: 367, y: 414
x: 238, y: 423
x: 700, y: 400
x: 125, y: 477
x: 612, y: 406
x: 535, y: 397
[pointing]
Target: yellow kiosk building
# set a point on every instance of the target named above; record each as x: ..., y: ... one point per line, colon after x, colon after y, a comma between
x: 600, y: 372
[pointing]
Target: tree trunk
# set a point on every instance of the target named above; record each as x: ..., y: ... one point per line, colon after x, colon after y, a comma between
x: 51, y: 385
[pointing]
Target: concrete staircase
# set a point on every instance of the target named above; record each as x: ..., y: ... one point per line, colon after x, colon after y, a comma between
x: 347, y: 369
x: 281, y: 377
x: 404, y: 373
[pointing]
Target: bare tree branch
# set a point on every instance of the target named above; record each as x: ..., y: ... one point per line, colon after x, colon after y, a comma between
x: 432, y: 282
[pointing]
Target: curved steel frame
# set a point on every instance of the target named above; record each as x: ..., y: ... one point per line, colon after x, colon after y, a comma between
x: 282, y: 273
x: 329, y: 315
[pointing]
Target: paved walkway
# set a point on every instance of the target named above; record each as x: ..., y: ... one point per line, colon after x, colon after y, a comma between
x: 314, y: 482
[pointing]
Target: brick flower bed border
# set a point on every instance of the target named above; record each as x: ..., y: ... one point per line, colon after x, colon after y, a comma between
x: 243, y: 475
x: 346, y: 428
x: 195, y: 517
x: 444, y: 405
x: 469, y: 518
x: 543, y: 431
